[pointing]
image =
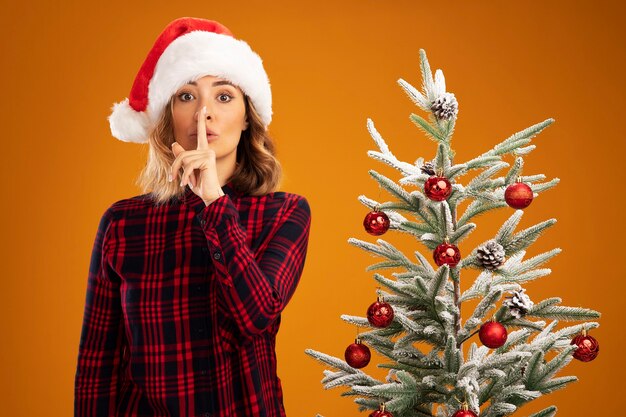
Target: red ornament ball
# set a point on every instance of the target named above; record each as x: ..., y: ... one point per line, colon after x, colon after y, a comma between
x: 492, y: 334
x: 437, y: 188
x: 518, y: 195
x: 381, y: 412
x: 447, y: 254
x: 376, y: 223
x: 588, y: 347
x: 380, y: 314
x: 464, y: 413
x: 357, y: 354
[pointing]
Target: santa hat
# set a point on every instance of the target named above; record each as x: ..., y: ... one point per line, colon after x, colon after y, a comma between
x: 186, y: 50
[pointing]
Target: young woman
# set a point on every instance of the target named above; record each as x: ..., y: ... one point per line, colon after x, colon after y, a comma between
x: 187, y: 282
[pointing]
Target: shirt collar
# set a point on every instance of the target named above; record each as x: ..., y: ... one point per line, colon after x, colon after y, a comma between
x: 190, y: 198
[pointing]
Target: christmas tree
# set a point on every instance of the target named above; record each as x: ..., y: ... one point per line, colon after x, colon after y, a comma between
x: 417, y: 324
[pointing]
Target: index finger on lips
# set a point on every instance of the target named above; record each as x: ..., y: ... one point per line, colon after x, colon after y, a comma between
x: 202, y: 140
x: 179, y: 152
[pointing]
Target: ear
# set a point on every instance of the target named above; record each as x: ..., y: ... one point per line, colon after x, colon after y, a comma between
x: 245, y: 124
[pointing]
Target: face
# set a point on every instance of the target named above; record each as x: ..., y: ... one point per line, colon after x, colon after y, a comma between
x: 225, y: 119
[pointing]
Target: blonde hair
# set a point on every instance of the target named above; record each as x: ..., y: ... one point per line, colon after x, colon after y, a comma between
x: 257, y: 172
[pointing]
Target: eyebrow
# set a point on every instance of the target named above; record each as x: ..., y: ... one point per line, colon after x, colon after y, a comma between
x: 215, y: 83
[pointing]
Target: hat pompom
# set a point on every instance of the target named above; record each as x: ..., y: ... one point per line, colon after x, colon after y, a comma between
x: 127, y: 124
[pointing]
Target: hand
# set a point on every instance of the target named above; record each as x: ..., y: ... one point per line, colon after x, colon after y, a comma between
x: 205, y: 183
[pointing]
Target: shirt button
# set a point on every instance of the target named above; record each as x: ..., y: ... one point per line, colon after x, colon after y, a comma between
x: 202, y: 222
x: 217, y: 256
x: 206, y: 414
x: 203, y: 372
x: 205, y: 249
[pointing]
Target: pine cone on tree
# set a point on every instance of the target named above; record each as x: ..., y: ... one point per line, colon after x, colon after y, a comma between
x: 391, y: 377
x: 445, y: 107
x: 428, y: 168
x: 519, y: 303
x: 490, y: 255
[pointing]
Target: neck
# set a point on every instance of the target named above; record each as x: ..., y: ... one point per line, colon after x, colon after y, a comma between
x: 226, y: 167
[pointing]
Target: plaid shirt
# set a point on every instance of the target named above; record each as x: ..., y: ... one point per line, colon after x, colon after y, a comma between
x: 183, y: 305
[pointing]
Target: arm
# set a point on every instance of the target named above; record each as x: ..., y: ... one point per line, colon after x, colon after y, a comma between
x: 101, y: 340
x: 256, y: 290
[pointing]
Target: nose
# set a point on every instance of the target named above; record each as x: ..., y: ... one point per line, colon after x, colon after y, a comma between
x: 199, y: 112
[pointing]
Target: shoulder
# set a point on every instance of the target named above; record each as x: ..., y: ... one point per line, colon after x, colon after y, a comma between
x: 289, y: 202
x: 287, y: 208
x: 131, y: 204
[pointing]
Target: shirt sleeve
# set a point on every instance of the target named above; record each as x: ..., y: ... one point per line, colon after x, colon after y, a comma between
x: 256, y: 290
x: 102, y: 336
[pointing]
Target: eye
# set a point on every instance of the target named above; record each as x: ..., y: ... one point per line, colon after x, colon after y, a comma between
x: 224, y: 97
x: 185, y: 96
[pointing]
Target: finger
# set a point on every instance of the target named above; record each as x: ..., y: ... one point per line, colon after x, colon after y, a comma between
x: 192, y: 173
x: 176, y: 150
x: 181, y: 154
x: 193, y: 181
x: 203, y: 143
x: 183, y: 176
x: 191, y: 163
x: 195, y: 178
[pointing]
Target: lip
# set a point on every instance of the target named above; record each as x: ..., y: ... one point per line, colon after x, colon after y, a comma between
x: 209, y: 134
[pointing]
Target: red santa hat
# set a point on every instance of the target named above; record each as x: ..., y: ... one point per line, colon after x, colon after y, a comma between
x: 186, y: 50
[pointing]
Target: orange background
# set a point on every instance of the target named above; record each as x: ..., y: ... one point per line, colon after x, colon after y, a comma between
x: 332, y: 65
